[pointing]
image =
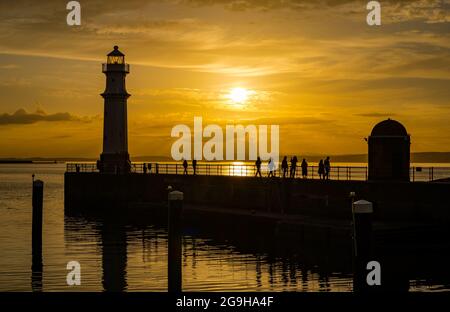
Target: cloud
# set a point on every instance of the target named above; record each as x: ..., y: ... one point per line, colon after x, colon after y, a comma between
x: 210, y: 36
x: 290, y: 121
x: 14, y: 82
x: 9, y: 66
x: 22, y: 117
x: 307, y: 59
x: 395, y: 11
x: 376, y: 115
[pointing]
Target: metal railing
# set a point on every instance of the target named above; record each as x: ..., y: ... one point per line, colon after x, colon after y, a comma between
x: 348, y: 173
x: 116, y: 67
x: 81, y: 167
x: 429, y: 173
x: 245, y: 170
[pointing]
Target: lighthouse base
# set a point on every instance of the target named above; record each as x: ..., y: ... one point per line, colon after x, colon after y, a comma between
x: 118, y: 163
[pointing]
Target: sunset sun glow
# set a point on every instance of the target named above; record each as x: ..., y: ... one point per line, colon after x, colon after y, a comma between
x: 239, y: 95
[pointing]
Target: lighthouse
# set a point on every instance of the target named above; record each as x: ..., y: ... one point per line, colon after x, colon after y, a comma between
x: 115, y: 157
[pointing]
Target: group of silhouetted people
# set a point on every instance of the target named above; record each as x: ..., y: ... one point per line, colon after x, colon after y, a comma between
x: 186, y: 165
x: 323, y: 171
x: 148, y: 167
x: 284, y: 167
x: 324, y: 168
x: 270, y: 167
x: 293, y: 168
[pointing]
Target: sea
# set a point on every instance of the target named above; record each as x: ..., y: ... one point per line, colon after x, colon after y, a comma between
x: 129, y: 257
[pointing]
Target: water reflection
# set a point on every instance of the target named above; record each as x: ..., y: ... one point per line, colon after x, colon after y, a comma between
x: 224, y: 255
x: 134, y: 258
x: 36, y: 271
x: 114, y: 256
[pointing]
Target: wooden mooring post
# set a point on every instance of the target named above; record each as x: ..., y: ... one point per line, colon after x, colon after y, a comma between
x: 175, y: 211
x: 36, y: 245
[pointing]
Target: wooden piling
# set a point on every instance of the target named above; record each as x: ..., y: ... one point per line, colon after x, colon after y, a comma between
x: 175, y: 211
x: 36, y: 245
x: 37, y: 199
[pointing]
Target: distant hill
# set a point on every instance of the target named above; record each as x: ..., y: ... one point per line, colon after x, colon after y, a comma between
x: 423, y: 157
x: 431, y: 157
x: 353, y: 158
x: 43, y: 160
x: 151, y: 158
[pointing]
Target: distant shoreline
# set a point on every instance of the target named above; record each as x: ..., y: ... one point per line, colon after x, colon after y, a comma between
x: 422, y: 157
x: 27, y: 161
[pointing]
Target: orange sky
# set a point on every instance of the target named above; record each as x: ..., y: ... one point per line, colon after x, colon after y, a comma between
x: 314, y: 68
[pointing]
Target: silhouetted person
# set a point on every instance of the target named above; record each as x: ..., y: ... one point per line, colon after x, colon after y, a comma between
x: 271, y: 166
x: 294, y: 161
x: 327, y: 168
x: 284, y: 166
x: 321, y: 169
x: 304, y: 168
x: 149, y: 168
x: 258, y: 166
x: 144, y: 168
x: 77, y: 168
x: 194, y: 165
x: 185, y: 166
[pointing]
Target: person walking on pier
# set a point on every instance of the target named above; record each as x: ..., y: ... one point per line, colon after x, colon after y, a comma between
x: 194, y: 166
x: 271, y: 167
x: 304, y: 169
x: 327, y: 166
x: 284, y: 166
x: 144, y: 168
x: 185, y: 166
x: 294, y: 161
x: 258, y: 167
x: 321, y: 171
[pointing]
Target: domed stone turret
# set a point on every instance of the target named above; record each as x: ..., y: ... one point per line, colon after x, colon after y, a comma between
x: 389, y: 127
x: 389, y: 152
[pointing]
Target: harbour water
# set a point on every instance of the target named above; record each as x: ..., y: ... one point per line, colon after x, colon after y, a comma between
x: 133, y: 257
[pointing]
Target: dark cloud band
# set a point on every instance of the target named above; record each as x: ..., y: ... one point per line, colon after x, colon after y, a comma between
x: 21, y: 116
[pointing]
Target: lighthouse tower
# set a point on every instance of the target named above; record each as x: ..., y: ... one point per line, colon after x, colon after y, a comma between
x: 115, y: 157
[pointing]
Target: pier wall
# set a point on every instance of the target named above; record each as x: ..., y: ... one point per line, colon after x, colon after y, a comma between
x: 393, y: 201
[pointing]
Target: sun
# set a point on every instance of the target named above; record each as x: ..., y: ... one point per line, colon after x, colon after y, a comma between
x: 238, y: 95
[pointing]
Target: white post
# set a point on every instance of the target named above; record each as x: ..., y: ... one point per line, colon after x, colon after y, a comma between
x: 362, y: 211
